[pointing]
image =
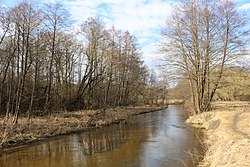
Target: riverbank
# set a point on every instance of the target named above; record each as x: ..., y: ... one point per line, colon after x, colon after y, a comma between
x: 40, y: 128
x: 227, y: 135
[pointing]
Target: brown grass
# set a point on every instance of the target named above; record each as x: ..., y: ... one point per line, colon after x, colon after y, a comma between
x: 228, y: 135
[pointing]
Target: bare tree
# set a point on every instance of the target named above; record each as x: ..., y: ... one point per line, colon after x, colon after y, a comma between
x: 4, y: 66
x: 202, y: 36
x: 26, y: 21
x: 44, y: 67
x: 57, y: 18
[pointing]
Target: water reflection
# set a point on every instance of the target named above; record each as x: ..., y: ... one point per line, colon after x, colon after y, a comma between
x: 101, y: 141
x: 152, y: 140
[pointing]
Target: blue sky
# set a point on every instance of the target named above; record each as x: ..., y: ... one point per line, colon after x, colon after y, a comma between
x: 142, y: 18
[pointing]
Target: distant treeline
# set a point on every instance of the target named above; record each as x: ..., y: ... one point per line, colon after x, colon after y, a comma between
x: 234, y: 86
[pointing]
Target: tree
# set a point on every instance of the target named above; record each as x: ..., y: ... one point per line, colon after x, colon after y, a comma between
x: 201, y: 37
x: 25, y: 19
x: 94, y: 37
x: 234, y: 85
x: 44, y: 66
x: 56, y: 20
x: 4, y: 66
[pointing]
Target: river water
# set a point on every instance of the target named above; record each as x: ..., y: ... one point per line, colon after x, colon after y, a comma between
x: 157, y: 139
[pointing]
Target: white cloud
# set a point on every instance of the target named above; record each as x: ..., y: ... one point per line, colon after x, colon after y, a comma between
x: 235, y: 1
x: 2, y: 5
x: 244, y: 6
x: 141, y: 18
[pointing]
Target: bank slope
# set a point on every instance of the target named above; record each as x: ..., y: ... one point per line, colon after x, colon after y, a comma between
x: 227, y: 134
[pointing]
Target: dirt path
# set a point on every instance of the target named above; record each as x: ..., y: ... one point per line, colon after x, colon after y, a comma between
x: 227, y: 136
x: 241, y: 124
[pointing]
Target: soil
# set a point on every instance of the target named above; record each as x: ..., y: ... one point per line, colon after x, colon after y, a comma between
x: 40, y: 128
x: 227, y: 131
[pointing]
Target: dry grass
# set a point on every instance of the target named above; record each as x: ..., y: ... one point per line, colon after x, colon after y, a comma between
x: 230, y: 104
x: 228, y: 136
x: 62, y: 123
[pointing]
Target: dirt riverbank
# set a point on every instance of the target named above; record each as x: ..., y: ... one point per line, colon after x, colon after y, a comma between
x: 40, y: 128
x: 227, y: 135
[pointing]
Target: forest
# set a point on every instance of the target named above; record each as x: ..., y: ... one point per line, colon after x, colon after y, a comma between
x: 49, y: 65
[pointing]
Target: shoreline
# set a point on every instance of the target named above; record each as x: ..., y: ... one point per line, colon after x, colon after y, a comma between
x: 227, y: 135
x: 40, y: 129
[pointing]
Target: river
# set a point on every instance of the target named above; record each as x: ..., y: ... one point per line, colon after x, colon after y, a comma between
x: 157, y: 139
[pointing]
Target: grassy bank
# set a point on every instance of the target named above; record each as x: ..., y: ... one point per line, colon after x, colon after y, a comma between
x: 227, y: 131
x: 40, y: 128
